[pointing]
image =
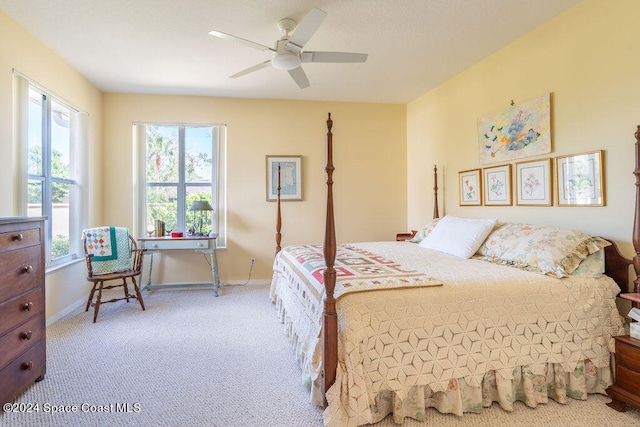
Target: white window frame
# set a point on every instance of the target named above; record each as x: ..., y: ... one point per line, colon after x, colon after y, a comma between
x: 78, y: 138
x: 218, y: 180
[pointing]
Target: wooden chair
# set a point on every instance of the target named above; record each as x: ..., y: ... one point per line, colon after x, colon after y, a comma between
x: 99, y: 279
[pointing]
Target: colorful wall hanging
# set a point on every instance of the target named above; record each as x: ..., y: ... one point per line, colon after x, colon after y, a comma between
x: 522, y: 130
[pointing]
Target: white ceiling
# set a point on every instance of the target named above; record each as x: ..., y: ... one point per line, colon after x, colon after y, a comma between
x: 163, y: 46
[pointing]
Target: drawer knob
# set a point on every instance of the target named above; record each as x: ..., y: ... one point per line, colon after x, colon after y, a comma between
x: 27, y: 269
x: 27, y: 306
x: 18, y: 237
x: 154, y: 245
x: 26, y: 335
x: 27, y: 366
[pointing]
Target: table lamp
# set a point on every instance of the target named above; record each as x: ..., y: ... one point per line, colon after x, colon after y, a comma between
x: 200, y: 209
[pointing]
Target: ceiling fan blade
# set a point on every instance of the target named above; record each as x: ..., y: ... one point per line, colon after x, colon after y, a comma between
x: 251, y: 69
x: 343, y: 57
x: 300, y: 77
x: 305, y: 29
x: 247, y: 43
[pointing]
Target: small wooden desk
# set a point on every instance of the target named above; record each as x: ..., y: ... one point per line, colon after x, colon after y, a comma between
x: 203, y: 244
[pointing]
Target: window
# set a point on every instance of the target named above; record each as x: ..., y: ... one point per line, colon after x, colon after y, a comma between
x: 179, y: 164
x: 50, y: 137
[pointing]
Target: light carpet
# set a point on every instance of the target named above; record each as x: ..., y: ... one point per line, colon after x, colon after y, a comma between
x: 192, y: 359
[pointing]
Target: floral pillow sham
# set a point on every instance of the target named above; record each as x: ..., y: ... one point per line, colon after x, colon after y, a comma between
x: 552, y: 251
x: 424, y: 231
x: 591, y: 266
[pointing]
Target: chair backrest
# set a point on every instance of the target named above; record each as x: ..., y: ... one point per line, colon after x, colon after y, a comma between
x: 108, y: 249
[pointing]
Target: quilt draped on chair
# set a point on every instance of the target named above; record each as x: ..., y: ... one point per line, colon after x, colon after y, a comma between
x: 110, y: 249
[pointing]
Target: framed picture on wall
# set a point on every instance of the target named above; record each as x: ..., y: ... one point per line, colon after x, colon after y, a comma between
x: 580, y: 179
x: 521, y: 130
x: 469, y: 188
x: 290, y: 178
x: 533, y: 183
x: 497, y: 185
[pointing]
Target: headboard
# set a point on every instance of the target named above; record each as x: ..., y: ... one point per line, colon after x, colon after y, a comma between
x: 616, y: 266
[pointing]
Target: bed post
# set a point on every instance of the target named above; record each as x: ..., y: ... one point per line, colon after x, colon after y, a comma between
x: 329, y: 316
x: 636, y: 218
x: 278, y: 216
x: 616, y: 265
x: 436, y: 213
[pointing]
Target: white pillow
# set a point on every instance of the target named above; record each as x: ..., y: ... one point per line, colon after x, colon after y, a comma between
x: 458, y: 236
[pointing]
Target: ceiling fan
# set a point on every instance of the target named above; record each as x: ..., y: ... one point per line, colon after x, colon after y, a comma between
x: 288, y: 53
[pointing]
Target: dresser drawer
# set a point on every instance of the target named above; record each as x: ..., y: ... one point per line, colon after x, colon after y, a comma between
x: 19, y: 339
x: 177, y: 244
x: 13, y: 240
x: 17, y: 310
x: 22, y: 372
x: 628, y: 354
x: 628, y: 380
x: 20, y: 270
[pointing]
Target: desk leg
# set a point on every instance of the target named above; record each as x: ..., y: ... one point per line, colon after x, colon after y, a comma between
x: 214, y: 272
x: 150, y: 269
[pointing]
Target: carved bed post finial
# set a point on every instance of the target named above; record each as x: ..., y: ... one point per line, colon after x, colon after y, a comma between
x: 329, y: 316
x: 279, y: 216
x: 636, y: 219
x: 436, y: 212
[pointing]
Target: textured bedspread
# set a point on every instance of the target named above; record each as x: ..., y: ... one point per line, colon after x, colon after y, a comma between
x: 484, y: 318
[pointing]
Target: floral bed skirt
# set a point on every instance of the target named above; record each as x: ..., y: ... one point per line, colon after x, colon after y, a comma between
x: 525, y: 386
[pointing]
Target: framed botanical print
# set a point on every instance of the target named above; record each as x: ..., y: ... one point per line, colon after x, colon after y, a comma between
x: 290, y: 178
x: 533, y: 183
x: 497, y: 185
x: 580, y: 179
x: 470, y: 188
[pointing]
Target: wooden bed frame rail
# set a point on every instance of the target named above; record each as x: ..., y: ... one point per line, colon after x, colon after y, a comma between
x: 616, y: 265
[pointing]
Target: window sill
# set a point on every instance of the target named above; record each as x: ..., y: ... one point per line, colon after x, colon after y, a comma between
x: 63, y: 265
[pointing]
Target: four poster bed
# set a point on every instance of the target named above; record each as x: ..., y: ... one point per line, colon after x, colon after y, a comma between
x: 527, y: 316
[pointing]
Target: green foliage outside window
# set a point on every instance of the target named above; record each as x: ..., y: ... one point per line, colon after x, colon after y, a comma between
x: 59, y: 192
x: 162, y: 162
x: 60, y: 247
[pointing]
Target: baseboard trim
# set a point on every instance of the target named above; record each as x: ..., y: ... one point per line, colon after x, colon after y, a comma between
x: 59, y: 315
x: 244, y: 282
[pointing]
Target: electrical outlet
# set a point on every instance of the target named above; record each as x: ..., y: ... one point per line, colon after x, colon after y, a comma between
x: 253, y: 261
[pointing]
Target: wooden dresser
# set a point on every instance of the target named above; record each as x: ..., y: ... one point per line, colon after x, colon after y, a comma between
x: 22, y: 320
x: 626, y: 389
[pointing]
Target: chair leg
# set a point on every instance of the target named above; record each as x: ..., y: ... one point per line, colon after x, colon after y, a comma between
x: 93, y: 290
x: 138, y: 294
x: 97, y: 304
x: 126, y: 289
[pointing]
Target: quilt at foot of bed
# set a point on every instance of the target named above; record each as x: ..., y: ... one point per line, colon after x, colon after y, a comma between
x: 525, y: 387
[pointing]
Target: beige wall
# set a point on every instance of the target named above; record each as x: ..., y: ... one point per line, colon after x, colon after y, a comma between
x: 370, y: 139
x: 589, y: 60
x: 370, y: 177
x: 21, y: 51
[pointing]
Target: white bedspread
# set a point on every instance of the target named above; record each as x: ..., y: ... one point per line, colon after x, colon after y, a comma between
x: 485, y: 317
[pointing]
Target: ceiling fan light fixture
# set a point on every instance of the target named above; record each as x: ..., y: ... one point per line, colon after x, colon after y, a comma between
x: 286, y: 61
x: 288, y: 51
